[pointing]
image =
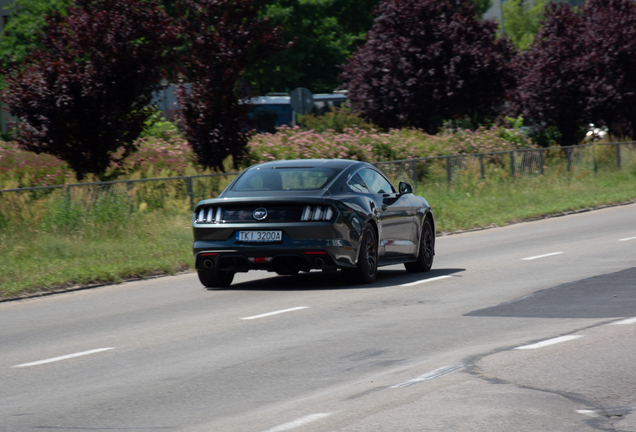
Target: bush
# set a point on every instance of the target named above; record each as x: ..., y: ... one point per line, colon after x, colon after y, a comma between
x: 374, y: 146
x: 336, y: 121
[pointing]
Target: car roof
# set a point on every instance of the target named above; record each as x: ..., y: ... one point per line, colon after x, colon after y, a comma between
x: 325, y: 163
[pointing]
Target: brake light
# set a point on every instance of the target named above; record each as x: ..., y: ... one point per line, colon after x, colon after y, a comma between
x: 317, y: 213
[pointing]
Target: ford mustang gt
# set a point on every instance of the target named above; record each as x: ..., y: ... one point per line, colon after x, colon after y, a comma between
x: 297, y: 215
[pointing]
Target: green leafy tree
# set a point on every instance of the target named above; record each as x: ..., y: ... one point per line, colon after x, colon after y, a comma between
x: 481, y: 6
x: 24, y: 31
x: 325, y: 33
x: 522, y: 20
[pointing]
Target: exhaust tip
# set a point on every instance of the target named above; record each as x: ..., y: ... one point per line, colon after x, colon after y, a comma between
x: 208, y: 263
x: 319, y: 262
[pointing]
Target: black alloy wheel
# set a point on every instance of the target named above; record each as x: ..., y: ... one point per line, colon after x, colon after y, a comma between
x: 367, y: 269
x: 426, y: 252
x: 215, y: 278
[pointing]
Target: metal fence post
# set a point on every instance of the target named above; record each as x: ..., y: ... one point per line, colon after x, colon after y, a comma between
x: 448, y: 170
x: 481, y: 166
x: 541, y: 160
x: 618, y: 156
x: 190, y: 192
x: 568, y: 155
x: 512, y: 164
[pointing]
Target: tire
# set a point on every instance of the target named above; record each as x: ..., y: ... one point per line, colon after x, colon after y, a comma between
x: 367, y: 268
x: 426, y: 251
x: 215, y: 278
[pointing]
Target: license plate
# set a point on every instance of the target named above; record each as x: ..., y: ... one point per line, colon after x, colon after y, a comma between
x: 259, y: 236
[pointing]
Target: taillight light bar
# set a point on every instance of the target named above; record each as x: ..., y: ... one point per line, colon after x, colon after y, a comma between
x: 317, y: 213
x: 209, y: 215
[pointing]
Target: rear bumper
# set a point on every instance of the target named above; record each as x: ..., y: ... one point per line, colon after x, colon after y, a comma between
x: 271, y: 260
x: 290, y: 254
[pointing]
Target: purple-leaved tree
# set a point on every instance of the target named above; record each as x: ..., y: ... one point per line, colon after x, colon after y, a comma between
x: 222, y: 37
x: 426, y: 61
x: 580, y: 70
x: 83, y: 97
x: 610, y: 29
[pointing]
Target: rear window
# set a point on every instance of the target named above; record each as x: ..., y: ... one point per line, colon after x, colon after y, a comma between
x: 292, y: 178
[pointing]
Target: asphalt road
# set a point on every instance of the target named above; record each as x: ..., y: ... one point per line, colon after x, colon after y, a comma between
x: 429, y: 352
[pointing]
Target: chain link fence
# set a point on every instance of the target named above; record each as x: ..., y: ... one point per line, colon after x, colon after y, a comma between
x: 101, y: 201
x: 513, y: 164
x: 106, y: 201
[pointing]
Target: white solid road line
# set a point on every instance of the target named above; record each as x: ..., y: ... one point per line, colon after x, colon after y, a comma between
x: 541, y: 256
x: 275, y: 312
x: 549, y: 342
x: 630, y: 238
x: 440, y: 372
x: 425, y: 280
x: 625, y: 321
x: 298, y: 422
x: 54, y: 359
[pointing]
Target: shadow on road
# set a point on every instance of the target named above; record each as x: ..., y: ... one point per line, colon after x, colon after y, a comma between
x: 334, y: 281
x: 606, y: 296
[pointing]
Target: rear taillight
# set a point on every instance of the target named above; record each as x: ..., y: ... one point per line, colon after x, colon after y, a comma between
x: 317, y: 213
x: 209, y: 215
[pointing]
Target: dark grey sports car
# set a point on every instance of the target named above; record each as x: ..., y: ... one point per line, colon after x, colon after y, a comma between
x: 298, y: 215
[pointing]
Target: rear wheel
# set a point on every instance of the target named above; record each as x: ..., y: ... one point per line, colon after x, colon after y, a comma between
x: 215, y: 278
x: 367, y: 268
x: 425, y: 254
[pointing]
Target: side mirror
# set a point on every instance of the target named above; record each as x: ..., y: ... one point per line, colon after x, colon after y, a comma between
x: 405, y: 188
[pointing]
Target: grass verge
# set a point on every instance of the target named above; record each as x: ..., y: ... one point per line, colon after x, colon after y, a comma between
x: 62, y: 248
x: 478, y: 204
x: 35, y: 261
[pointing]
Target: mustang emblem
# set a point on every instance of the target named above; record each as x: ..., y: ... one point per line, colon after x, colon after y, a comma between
x: 260, y: 213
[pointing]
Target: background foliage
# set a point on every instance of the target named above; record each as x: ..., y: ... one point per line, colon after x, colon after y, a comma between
x: 83, y: 95
x: 579, y: 70
x: 426, y: 61
x: 222, y: 37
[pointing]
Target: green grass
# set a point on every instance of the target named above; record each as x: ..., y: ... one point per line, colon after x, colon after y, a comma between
x: 54, y: 243
x: 480, y: 204
x: 146, y: 244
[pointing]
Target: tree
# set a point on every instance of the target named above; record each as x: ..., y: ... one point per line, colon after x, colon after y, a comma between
x: 222, y: 37
x: 522, y: 19
x: 83, y: 96
x: 481, y: 7
x: 553, y: 73
x: 24, y: 29
x: 426, y: 61
x: 610, y: 35
x: 580, y: 70
x: 325, y: 33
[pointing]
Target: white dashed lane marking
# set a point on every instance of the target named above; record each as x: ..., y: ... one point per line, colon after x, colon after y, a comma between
x: 298, y: 422
x: 541, y: 256
x: 275, y: 313
x: 549, y: 342
x: 64, y: 357
x: 425, y: 280
x: 625, y: 321
x: 630, y: 238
